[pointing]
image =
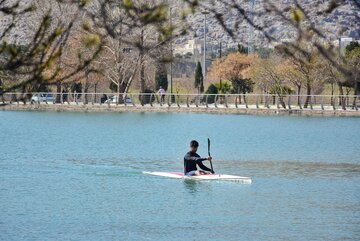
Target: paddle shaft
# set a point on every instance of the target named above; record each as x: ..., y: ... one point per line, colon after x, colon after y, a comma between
x: 212, y: 169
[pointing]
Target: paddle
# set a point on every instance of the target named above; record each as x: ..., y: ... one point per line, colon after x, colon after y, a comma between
x: 212, y: 169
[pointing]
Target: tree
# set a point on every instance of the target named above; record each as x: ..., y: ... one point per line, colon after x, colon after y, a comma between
x: 243, y: 86
x: 353, y: 60
x: 161, y: 79
x: 351, y: 46
x: 199, y: 78
x: 308, y: 64
x: 242, y: 49
x: 36, y: 61
x: 141, y: 26
x: 212, y: 91
x: 292, y: 76
x: 354, y: 63
x: 273, y: 76
x: 234, y: 68
x: 48, y: 40
x: 225, y: 88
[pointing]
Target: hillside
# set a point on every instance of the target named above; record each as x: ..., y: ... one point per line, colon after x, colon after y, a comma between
x: 343, y: 21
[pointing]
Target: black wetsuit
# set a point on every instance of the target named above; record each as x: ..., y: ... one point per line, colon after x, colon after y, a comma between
x: 190, y: 161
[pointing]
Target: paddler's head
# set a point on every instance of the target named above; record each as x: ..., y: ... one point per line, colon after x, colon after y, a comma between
x: 194, y: 146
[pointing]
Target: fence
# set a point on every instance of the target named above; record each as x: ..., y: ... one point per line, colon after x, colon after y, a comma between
x: 244, y: 101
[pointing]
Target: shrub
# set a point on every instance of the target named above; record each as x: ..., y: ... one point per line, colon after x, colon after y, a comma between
x: 212, y: 91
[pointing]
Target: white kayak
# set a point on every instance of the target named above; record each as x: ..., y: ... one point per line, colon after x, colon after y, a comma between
x: 219, y: 177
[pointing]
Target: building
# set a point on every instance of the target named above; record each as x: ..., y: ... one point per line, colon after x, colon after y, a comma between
x: 195, y: 48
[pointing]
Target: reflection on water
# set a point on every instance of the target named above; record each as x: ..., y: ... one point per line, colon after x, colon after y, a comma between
x: 293, y: 168
x: 191, y: 185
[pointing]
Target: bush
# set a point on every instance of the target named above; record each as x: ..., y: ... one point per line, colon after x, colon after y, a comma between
x: 212, y: 91
x: 226, y: 87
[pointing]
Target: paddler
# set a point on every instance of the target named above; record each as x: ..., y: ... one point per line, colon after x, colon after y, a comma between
x: 192, y: 159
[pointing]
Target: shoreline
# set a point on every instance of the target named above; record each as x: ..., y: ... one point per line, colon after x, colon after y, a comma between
x: 176, y: 109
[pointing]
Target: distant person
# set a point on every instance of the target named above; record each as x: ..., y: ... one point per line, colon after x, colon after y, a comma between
x: 162, y: 93
x: 192, y: 159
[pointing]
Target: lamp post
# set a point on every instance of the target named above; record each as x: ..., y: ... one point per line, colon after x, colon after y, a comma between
x: 204, y: 68
x: 220, y: 56
x: 171, y: 61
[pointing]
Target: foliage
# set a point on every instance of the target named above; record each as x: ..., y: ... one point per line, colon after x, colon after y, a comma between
x: 351, y: 46
x: 234, y: 68
x: 225, y: 87
x: 69, y: 36
x: 243, y: 50
x: 243, y: 86
x: 283, y: 89
x: 212, y: 91
x: 38, y: 61
x: 76, y: 87
x: 353, y: 61
x: 199, y: 78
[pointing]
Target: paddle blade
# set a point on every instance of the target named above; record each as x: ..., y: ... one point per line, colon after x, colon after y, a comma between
x: 209, y: 146
x: 212, y: 169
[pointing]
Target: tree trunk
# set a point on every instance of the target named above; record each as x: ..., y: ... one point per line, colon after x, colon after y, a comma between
x: 298, y: 94
x: 355, y: 97
x: 120, y: 98
x: 142, y: 68
x: 86, y: 90
x: 308, y: 94
x: 282, y: 102
x: 341, y: 93
x: 142, y: 83
x: 95, y: 89
x: 58, y: 91
x: 332, y: 93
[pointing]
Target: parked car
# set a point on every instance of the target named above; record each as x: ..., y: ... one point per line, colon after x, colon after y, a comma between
x: 43, y: 97
x: 114, y: 100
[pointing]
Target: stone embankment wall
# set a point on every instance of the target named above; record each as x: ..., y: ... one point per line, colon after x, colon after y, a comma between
x: 122, y: 108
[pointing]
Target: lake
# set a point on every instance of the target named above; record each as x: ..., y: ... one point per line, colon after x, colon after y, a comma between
x: 78, y: 176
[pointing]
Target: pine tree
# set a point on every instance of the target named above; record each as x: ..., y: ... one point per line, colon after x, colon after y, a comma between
x: 161, y: 78
x: 242, y: 49
x: 199, y: 78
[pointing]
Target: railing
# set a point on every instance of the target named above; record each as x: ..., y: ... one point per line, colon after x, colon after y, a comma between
x: 237, y: 101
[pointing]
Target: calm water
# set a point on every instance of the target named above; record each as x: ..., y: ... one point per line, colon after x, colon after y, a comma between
x: 77, y: 176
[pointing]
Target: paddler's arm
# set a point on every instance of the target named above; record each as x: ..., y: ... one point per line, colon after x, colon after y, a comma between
x: 203, y: 167
x: 195, y: 159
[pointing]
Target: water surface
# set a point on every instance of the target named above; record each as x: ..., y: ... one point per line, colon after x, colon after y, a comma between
x: 77, y: 176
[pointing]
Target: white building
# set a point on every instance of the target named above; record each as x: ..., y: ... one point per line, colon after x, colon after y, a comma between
x: 196, y: 47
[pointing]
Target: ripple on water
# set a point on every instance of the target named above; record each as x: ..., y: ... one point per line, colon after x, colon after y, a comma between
x: 293, y: 168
